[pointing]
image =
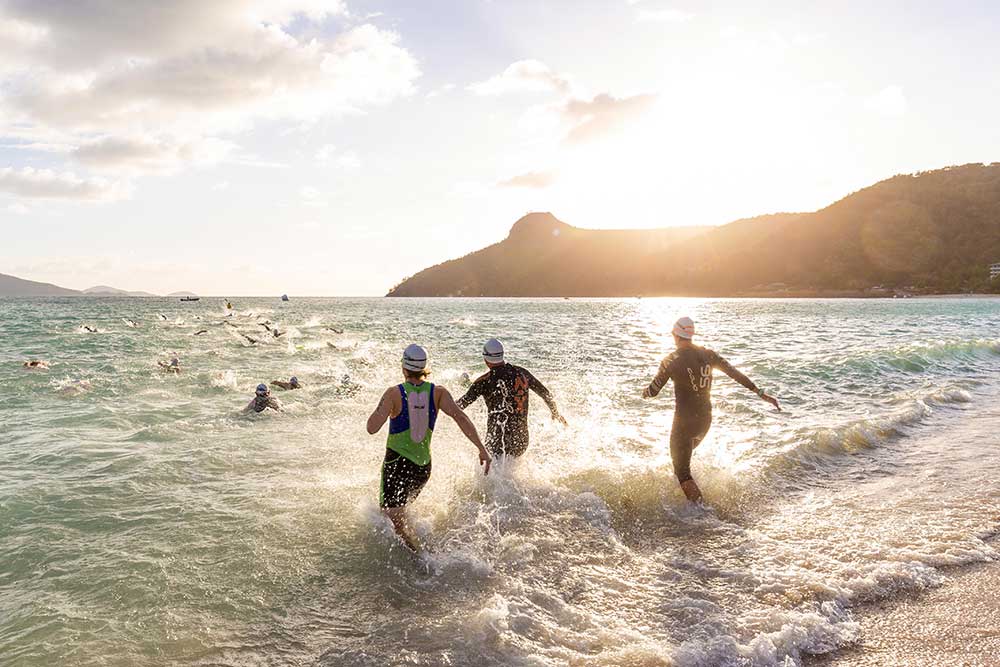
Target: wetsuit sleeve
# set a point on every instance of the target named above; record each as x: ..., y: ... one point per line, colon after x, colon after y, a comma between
x: 662, y: 375
x: 728, y: 369
x: 474, y: 392
x: 540, y: 389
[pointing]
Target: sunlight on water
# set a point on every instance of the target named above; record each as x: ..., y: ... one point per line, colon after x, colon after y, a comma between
x: 145, y: 520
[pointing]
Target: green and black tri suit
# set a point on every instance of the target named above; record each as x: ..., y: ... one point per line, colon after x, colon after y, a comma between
x: 407, y: 464
x: 690, y: 367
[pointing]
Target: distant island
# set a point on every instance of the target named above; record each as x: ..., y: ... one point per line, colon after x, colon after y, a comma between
x: 931, y: 232
x: 14, y: 286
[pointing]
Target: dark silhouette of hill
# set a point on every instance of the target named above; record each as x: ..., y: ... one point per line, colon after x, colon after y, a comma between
x: 934, y: 231
x: 543, y: 256
x: 11, y: 286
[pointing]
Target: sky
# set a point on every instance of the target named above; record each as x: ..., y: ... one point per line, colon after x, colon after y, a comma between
x: 335, y: 147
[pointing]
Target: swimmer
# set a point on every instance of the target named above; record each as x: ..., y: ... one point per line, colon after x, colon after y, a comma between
x: 293, y: 383
x: 36, y: 365
x: 200, y: 332
x: 131, y: 323
x: 334, y: 330
x: 163, y: 318
x: 263, y: 400
x: 173, y: 367
x: 691, y: 368
x: 505, y: 389
x: 88, y: 329
x: 249, y: 339
x: 412, y: 410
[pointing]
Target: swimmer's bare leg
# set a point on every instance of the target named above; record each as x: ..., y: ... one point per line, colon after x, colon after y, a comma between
x: 397, y: 515
x: 691, y: 490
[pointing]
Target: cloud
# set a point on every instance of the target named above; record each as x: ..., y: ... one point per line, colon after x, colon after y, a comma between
x: 142, y: 154
x: 889, y: 101
x: 531, y: 179
x: 47, y: 184
x: 523, y: 76
x: 311, y: 196
x: 663, y: 16
x: 158, y: 82
x: 591, y: 119
x: 328, y: 156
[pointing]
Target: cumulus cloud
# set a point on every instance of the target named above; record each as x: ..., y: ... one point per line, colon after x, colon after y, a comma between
x: 329, y: 156
x: 889, y: 101
x: 603, y: 114
x: 47, y: 184
x: 531, y: 179
x: 523, y: 76
x: 159, y: 82
x: 142, y: 154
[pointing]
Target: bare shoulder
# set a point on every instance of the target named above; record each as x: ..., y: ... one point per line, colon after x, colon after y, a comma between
x: 482, y: 378
x: 440, y: 395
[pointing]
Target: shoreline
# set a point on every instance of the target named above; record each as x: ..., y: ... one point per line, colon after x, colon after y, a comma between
x: 957, y: 623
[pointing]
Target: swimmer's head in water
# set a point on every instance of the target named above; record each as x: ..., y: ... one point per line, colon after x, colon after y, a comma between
x: 175, y: 362
x: 294, y: 381
x: 493, y: 352
x: 684, y: 328
x: 262, y: 390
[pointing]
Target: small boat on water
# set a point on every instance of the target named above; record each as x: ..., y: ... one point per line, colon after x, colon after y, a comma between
x: 284, y: 297
x: 190, y: 298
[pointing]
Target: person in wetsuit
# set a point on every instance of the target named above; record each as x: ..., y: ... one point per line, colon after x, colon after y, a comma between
x: 505, y: 390
x: 262, y: 400
x: 412, y: 410
x: 691, y: 368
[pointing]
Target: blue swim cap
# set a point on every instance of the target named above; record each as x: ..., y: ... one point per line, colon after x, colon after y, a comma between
x: 262, y: 389
x: 294, y: 380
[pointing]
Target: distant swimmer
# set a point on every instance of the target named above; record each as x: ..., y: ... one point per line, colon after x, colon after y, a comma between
x: 412, y: 410
x: 249, y: 339
x: 200, y: 332
x: 88, y: 329
x: 691, y: 367
x: 263, y: 400
x: 163, y: 318
x: 173, y: 366
x: 131, y: 323
x: 36, y: 365
x: 505, y: 390
x: 274, y: 331
x: 334, y: 330
x: 229, y: 306
x: 292, y: 383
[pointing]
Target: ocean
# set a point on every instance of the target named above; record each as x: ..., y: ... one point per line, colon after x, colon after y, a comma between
x: 144, y: 520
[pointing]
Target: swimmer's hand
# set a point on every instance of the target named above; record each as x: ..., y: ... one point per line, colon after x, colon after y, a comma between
x: 559, y: 418
x: 646, y: 394
x: 772, y: 400
x: 485, y: 460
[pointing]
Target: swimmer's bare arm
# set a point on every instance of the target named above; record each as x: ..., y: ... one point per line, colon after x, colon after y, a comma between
x: 661, y: 379
x: 386, y: 408
x: 450, y: 408
x: 730, y: 370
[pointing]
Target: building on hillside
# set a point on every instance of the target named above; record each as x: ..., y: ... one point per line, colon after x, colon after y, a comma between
x: 994, y: 271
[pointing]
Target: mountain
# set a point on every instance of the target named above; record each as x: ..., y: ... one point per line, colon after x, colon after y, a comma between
x: 543, y: 256
x: 932, y: 232
x: 11, y: 286
x: 104, y: 290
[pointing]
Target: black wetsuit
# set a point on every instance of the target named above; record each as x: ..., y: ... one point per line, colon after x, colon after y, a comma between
x: 690, y: 367
x: 505, y: 390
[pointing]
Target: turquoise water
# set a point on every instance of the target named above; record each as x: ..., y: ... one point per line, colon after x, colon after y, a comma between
x: 144, y: 520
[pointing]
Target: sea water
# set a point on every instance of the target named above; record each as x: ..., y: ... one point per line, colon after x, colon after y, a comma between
x: 144, y: 520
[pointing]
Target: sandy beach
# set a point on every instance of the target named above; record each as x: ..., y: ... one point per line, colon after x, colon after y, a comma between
x: 956, y: 624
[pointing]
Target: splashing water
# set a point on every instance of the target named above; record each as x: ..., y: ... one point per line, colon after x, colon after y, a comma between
x: 144, y: 520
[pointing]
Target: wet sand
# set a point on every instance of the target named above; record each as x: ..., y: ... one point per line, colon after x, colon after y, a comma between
x: 955, y: 624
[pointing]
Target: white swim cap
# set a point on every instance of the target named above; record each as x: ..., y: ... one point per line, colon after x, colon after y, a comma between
x: 493, y: 351
x: 684, y: 328
x: 414, y: 358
